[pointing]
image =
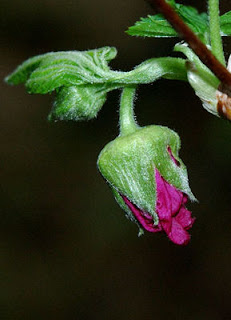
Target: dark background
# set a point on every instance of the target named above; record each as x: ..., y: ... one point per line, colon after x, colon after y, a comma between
x: 66, y: 249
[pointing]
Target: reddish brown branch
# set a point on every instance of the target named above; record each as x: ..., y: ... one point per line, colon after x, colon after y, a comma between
x: 195, y: 44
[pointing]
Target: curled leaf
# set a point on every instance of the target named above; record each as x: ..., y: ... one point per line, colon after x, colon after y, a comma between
x: 82, y: 80
x: 45, y: 73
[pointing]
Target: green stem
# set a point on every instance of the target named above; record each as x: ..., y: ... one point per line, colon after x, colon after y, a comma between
x: 215, y: 31
x: 127, y: 119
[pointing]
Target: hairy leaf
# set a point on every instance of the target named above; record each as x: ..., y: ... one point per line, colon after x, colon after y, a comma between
x: 82, y: 79
x: 45, y: 73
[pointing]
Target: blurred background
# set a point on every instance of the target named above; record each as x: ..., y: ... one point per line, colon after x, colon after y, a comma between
x: 66, y: 249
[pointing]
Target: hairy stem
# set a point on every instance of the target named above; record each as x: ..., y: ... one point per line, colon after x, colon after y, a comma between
x: 127, y: 120
x: 195, y: 44
x: 215, y: 33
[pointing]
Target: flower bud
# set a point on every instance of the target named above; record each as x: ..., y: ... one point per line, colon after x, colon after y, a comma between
x: 149, y: 180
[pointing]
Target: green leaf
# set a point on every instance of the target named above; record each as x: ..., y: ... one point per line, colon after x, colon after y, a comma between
x: 83, y: 102
x: 152, y: 26
x: 79, y: 102
x: 45, y: 73
x: 78, y: 78
x: 225, y: 24
x: 83, y: 79
x: 158, y: 26
x: 197, y: 22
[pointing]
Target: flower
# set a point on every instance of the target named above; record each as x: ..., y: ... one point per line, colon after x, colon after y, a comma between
x: 149, y: 181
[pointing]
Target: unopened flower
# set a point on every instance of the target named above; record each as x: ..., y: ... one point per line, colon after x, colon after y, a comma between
x: 150, y: 181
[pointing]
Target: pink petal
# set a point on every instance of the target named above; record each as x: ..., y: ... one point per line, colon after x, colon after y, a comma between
x: 166, y: 225
x: 176, y: 198
x: 143, y: 218
x: 185, y: 199
x: 177, y: 234
x: 184, y: 218
x: 164, y: 202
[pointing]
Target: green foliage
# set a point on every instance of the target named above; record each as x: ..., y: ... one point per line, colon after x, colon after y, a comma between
x: 79, y: 102
x: 152, y: 26
x: 225, y: 23
x: 82, y: 80
x: 45, y: 73
x: 78, y: 78
x: 158, y: 26
x: 202, y: 80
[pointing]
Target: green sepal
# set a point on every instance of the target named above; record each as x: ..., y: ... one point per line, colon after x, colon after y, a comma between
x: 158, y: 26
x: 128, y: 164
x: 128, y: 212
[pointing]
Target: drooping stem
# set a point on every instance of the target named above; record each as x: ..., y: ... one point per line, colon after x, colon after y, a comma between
x: 195, y: 44
x: 127, y: 119
x: 214, y: 27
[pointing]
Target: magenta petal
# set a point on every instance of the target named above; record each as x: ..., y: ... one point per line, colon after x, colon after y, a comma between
x: 143, y: 218
x: 163, y: 203
x: 185, y: 199
x: 167, y: 225
x: 177, y: 234
x: 184, y: 218
x: 176, y: 198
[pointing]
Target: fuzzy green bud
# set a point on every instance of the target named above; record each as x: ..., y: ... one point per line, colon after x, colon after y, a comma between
x: 128, y: 164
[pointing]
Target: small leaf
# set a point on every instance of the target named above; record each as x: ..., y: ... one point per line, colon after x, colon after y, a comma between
x: 158, y: 26
x: 82, y: 79
x: 45, y: 73
x: 225, y: 24
x: 152, y: 26
x: 80, y: 102
x: 197, y: 22
x: 83, y: 102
